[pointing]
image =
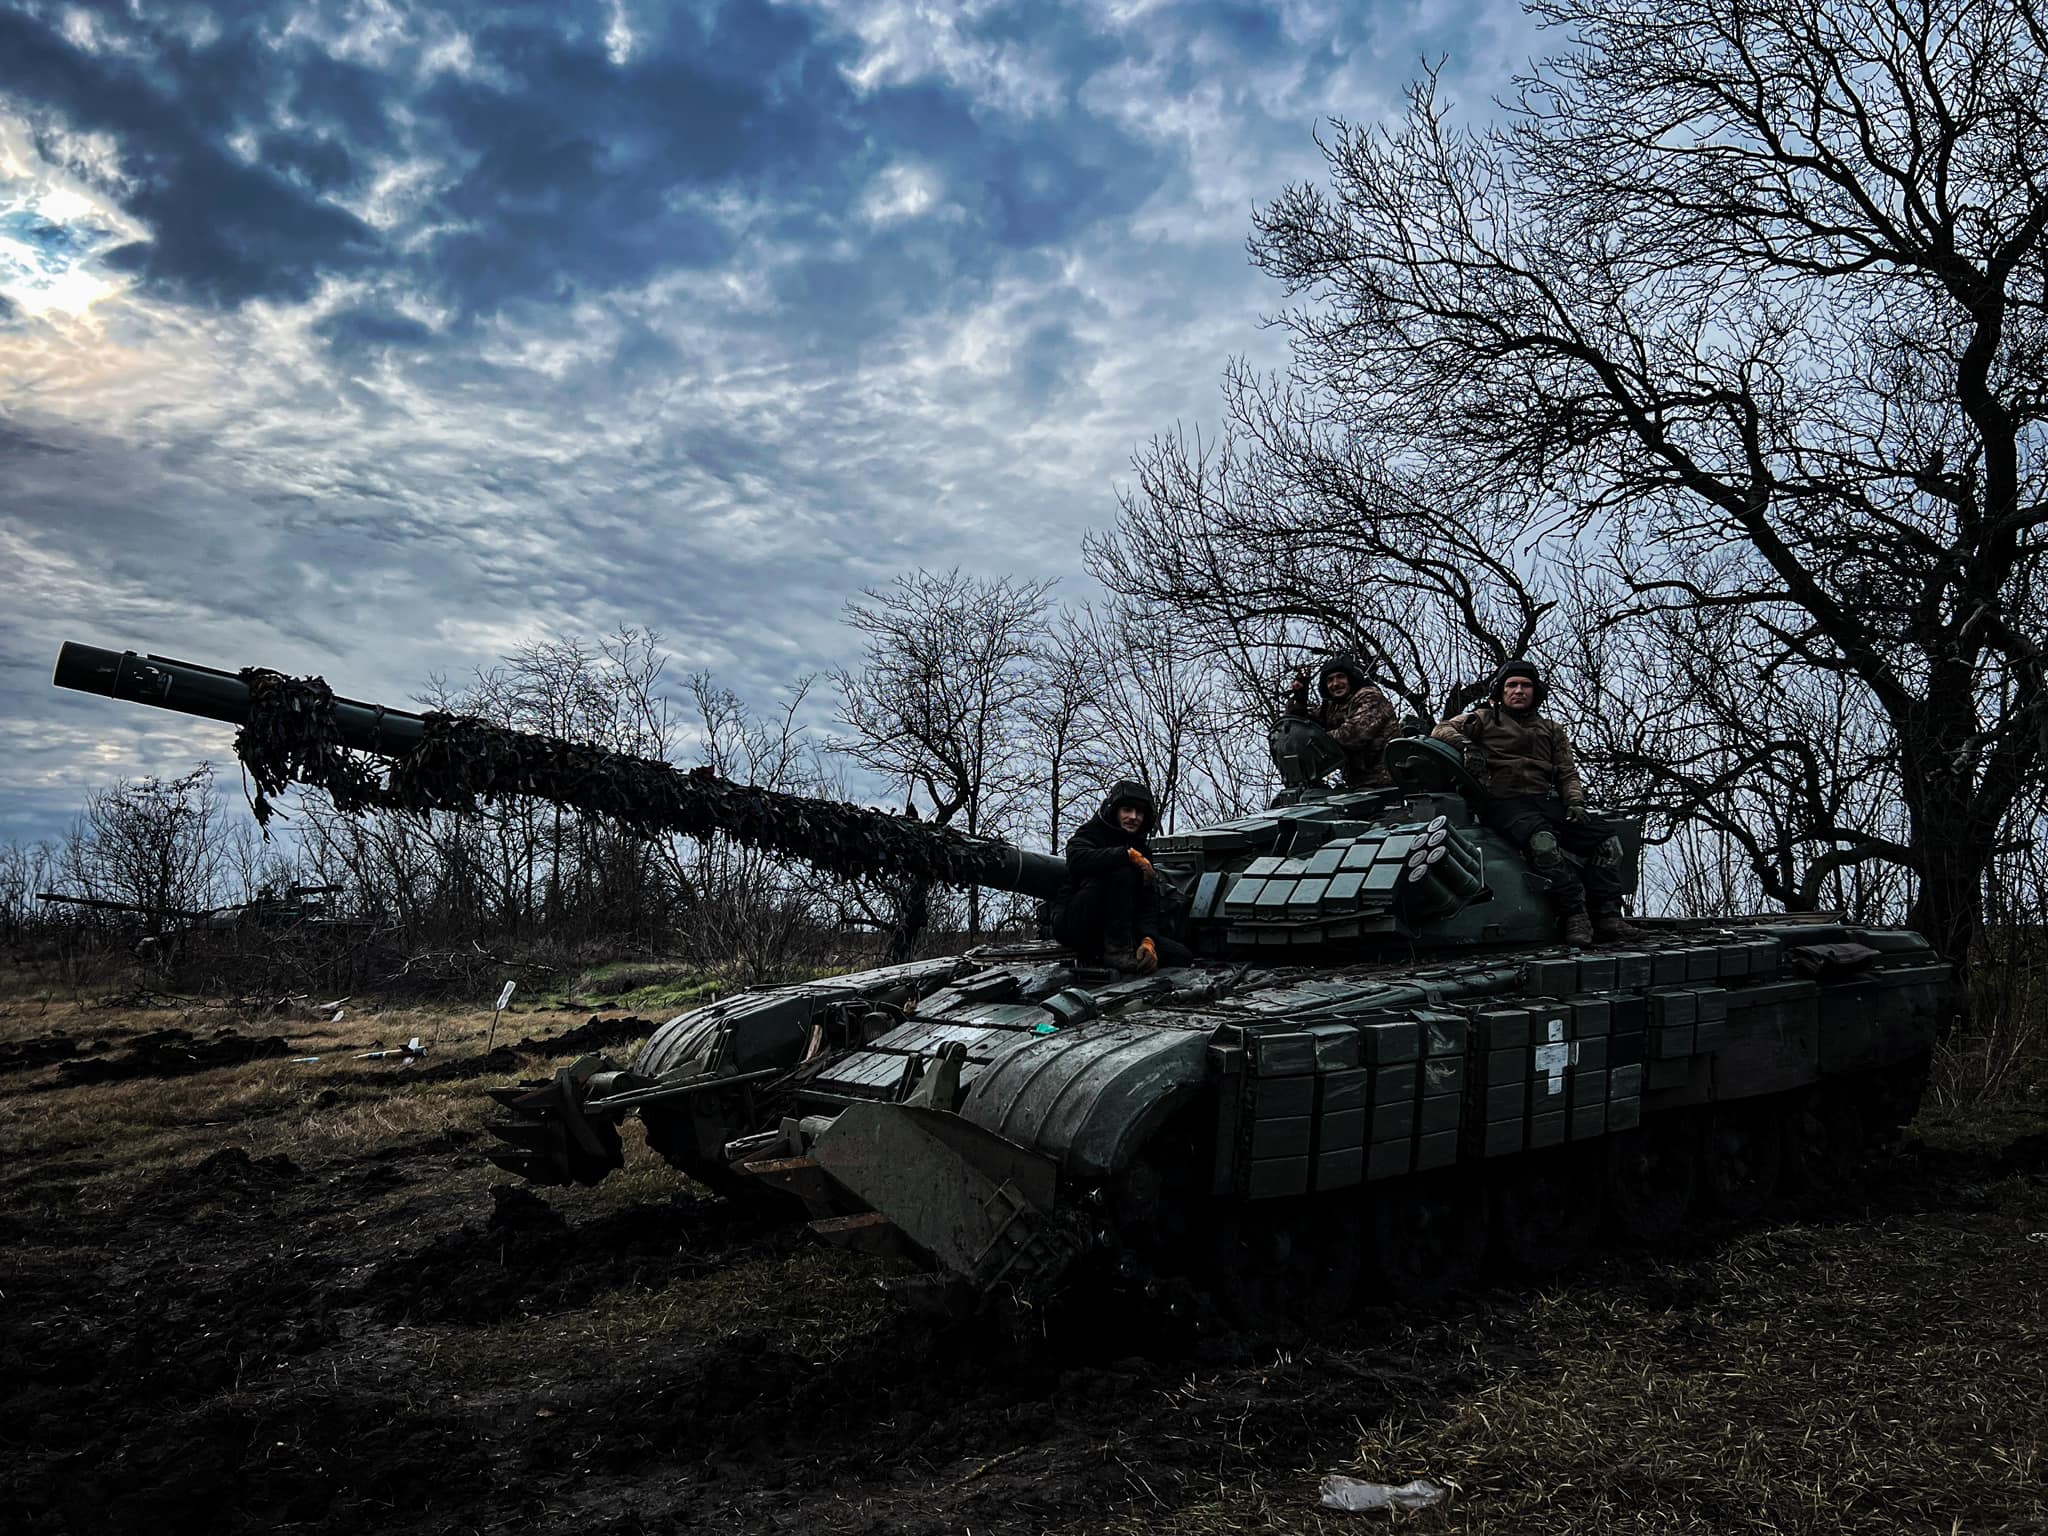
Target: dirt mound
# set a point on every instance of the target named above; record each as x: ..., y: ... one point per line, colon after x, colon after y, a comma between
x: 599, y: 1034
x: 173, y: 1053
x: 233, y: 1168
x: 43, y: 1051
x: 396, y: 1073
x: 527, y: 1260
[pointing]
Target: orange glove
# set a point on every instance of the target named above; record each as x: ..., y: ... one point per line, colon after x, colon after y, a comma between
x: 1144, y: 864
x: 1147, y: 957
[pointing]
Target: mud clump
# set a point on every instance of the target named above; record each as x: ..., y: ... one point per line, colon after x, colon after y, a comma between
x: 505, y: 1060
x: 501, y: 1062
x: 527, y: 1260
x: 598, y: 1034
x: 172, y: 1053
x: 43, y: 1051
x: 515, y: 1208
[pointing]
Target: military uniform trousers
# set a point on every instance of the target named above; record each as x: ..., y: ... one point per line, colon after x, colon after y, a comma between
x: 1522, y: 818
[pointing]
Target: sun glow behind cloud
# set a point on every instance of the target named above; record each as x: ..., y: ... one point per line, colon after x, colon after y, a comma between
x: 52, y: 228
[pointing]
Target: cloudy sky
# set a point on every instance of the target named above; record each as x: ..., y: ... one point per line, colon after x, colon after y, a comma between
x: 373, y: 339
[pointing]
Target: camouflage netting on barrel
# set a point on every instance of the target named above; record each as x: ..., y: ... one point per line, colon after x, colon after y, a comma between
x: 291, y: 738
x: 463, y: 762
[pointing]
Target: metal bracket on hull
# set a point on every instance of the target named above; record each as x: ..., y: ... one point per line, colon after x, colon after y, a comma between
x: 980, y: 1206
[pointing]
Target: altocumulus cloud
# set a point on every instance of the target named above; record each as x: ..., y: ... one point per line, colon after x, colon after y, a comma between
x: 374, y: 338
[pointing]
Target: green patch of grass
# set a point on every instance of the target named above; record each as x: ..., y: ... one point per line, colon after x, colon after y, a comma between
x: 673, y: 999
x: 646, y: 985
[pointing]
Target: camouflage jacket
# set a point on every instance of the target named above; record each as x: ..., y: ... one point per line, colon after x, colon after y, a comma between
x: 1526, y: 755
x: 1362, y: 723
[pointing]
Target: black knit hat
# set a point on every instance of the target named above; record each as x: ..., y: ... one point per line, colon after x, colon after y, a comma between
x: 1343, y: 662
x: 1520, y: 668
x: 1131, y: 792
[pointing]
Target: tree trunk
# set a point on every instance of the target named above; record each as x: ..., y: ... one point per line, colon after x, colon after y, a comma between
x: 913, y: 913
x: 1952, y: 826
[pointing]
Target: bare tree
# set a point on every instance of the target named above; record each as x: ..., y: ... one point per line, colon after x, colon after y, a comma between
x: 1760, y: 782
x: 938, y: 704
x: 1057, y: 713
x: 26, y: 869
x: 153, y: 843
x: 1150, y: 701
x: 533, y: 864
x: 1292, y: 534
x: 1766, y: 277
x: 748, y: 910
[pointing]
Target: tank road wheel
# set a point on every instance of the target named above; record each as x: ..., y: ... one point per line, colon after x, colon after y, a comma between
x: 674, y: 1139
x: 1426, y: 1236
x: 1325, y: 1257
x: 1741, y: 1154
x: 1824, y: 1135
x: 1546, y: 1209
x: 1652, y: 1174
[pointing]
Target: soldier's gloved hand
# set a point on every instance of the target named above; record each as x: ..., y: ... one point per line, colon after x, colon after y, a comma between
x: 1575, y: 813
x: 1475, y: 764
x: 1147, y: 957
x: 1144, y: 864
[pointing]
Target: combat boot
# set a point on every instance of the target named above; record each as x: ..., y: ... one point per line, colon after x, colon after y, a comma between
x: 1578, y: 928
x: 1610, y: 927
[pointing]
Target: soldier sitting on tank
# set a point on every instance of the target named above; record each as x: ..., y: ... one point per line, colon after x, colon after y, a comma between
x: 1109, y: 907
x: 1354, y: 712
x: 1524, y: 762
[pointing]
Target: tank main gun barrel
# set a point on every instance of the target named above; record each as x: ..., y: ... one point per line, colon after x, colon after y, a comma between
x: 188, y: 688
x: 294, y: 730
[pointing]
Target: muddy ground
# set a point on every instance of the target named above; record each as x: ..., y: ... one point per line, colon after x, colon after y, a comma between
x: 255, y: 1293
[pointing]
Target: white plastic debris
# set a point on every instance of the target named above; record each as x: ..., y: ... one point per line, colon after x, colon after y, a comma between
x: 412, y: 1048
x: 1355, y: 1494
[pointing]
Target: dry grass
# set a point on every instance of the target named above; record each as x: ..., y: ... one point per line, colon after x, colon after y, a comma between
x: 309, y: 1112
x: 1887, y: 1375
x: 645, y: 1180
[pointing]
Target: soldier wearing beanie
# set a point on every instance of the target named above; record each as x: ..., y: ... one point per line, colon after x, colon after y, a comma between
x: 1354, y: 712
x: 1523, y: 760
x: 1109, y: 908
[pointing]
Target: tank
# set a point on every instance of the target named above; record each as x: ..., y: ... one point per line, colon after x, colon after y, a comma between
x: 1381, y: 1067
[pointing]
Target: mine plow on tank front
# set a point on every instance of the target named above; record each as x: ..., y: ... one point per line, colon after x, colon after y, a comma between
x: 1380, y: 1064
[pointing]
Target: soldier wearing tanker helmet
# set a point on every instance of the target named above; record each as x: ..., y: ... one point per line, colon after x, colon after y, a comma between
x: 1354, y: 712
x: 1524, y: 761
